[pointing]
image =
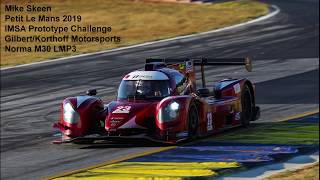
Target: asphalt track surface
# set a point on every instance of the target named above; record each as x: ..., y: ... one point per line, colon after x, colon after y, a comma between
x: 286, y: 68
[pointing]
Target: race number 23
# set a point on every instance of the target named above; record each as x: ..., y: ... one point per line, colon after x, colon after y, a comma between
x: 122, y: 109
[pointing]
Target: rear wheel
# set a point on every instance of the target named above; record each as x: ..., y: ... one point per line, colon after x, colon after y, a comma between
x: 193, y: 119
x: 247, y: 106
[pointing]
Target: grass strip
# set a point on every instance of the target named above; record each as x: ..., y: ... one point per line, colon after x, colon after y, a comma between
x: 275, y: 133
x: 134, y: 21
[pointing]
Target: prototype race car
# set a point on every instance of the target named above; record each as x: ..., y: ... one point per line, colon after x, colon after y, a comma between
x: 162, y: 103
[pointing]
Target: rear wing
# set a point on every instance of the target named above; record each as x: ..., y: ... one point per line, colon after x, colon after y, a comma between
x: 186, y: 65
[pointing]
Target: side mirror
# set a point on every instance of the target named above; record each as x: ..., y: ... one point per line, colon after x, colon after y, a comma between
x: 91, y: 92
x: 203, y: 92
x: 248, y: 64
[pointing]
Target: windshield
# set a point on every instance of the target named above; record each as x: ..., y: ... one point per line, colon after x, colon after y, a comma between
x: 143, y: 89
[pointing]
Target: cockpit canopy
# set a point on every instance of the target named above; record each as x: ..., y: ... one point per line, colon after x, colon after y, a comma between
x: 143, y: 89
x: 144, y: 85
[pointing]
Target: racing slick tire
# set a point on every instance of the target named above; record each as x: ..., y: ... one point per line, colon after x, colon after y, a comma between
x: 193, y: 119
x: 247, y: 106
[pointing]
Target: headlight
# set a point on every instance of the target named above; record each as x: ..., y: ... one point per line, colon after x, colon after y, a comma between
x: 69, y: 114
x: 174, y: 106
x: 169, y: 112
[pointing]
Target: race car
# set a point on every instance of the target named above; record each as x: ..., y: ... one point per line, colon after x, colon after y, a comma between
x: 162, y: 103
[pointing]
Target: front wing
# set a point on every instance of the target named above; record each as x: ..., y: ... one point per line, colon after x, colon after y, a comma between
x: 117, y: 139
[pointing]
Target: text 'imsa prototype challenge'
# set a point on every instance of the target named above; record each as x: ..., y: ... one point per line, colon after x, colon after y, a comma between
x: 161, y: 103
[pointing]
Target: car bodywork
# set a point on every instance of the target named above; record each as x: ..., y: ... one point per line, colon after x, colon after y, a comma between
x: 176, y: 110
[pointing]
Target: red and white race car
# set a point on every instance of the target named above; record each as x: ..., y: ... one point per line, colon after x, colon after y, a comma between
x: 161, y: 103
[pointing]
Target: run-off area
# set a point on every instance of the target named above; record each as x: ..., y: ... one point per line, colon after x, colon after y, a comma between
x: 237, y: 150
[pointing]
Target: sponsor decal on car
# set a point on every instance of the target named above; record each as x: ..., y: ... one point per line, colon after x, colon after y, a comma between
x: 237, y: 88
x: 122, y: 110
x: 115, y: 121
x: 182, y: 134
x: 146, y: 75
x: 209, y: 122
x: 141, y: 76
x: 237, y: 116
x: 189, y: 66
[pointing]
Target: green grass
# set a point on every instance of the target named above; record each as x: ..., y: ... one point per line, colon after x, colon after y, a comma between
x: 275, y: 133
x: 135, y: 22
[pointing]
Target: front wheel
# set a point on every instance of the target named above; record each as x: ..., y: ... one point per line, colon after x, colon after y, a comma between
x: 193, y: 119
x: 247, y: 106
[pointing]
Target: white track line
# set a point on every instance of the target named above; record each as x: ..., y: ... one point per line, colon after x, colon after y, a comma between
x: 275, y: 11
